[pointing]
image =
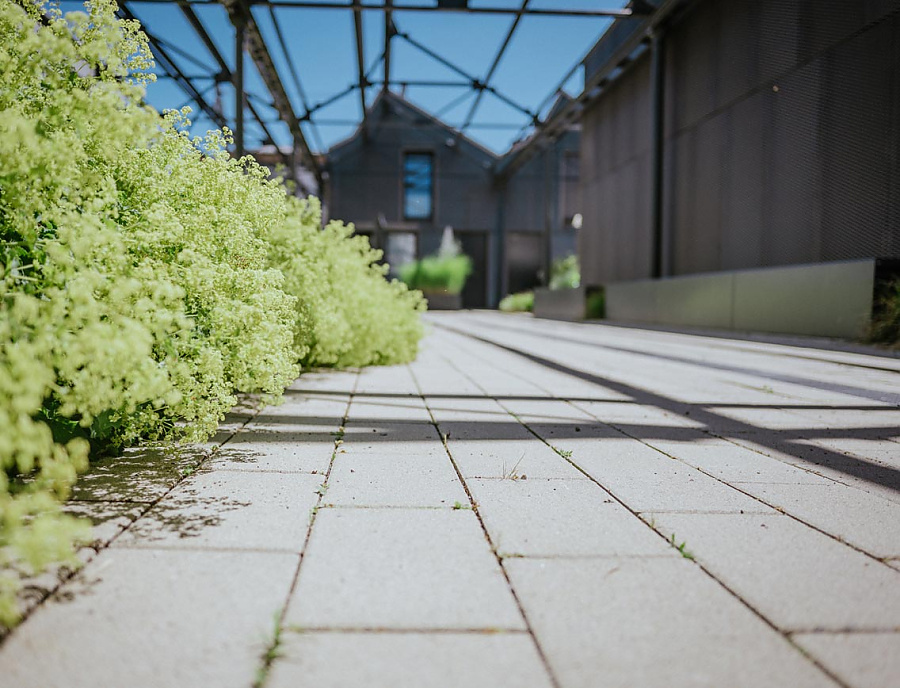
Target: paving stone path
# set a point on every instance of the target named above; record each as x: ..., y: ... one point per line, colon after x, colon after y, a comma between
x: 530, y: 503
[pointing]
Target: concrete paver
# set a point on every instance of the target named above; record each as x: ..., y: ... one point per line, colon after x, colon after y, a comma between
x: 650, y: 622
x: 864, y: 660
x: 547, y: 518
x: 435, y: 660
x: 648, y: 480
x: 799, y: 578
x: 386, y: 479
x: 155, y: 618
x: 234, y: 509
x: 279, y: 451
x: 381, y: 568
x: 856, y: 517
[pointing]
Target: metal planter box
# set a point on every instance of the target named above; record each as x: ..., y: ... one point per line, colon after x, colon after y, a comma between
x: 559, y: 304
x: 444, y: 302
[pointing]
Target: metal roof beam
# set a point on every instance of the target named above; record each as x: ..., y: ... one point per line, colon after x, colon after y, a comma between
x: 638, y: 10
x: 172, y: 68
x: 225, y: 73
x: 621, y: 55
x: 476, y: 83
x: 304, y: 101
x: 307, y: 116
x: 487, y: 79
x: 388, y: 35
x: 360, y: 66
x: 259, y: 53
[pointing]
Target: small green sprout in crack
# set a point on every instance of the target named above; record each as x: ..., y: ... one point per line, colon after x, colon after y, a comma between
x: 271, y: 653
x: 565, y: 453
x: 459, y: 505
x: 312, y: 514
x: 322, y: 489
x: 682, y: 548
x: 185, y: 472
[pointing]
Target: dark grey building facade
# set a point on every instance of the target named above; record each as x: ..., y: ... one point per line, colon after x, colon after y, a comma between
x: 779, y: 141
x: 405, y: 176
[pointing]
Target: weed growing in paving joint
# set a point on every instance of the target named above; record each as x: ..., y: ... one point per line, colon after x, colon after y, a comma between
x: 272, y: 652
x: 513, y: 474
x: 565, y: 453
x: 682, y: 548
x: 459, y: 505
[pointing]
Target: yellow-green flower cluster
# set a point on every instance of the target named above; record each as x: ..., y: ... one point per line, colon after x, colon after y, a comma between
x: 145, y: 277
x: 347, y: 313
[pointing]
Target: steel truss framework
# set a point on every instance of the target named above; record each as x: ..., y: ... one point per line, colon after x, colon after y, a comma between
x: 249, y: 40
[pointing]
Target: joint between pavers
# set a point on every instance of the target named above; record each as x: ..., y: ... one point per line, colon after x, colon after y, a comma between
x: 701, y: 512
x: 474, y: 507
x: 205, y: 548
x: 577, y: 557
x: 850, y: 630
x: 265, y: 470
x: 389, y: 507
x: 390, y: 630
x: 270, y: 655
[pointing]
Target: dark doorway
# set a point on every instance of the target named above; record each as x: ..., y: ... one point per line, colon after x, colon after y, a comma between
x: 474, y: 245
x: 523, y: 261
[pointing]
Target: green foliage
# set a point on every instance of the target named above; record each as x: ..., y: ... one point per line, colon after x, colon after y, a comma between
x: 346, y: 313
x: 438, y: 274
x: 886, y: 323
x: 595, y: 304
x: 564, y: 273
x: 682, y: 548
x: 523, y: 302
x: 140, y: 274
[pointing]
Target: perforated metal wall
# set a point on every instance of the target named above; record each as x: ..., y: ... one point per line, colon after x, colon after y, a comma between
x: 782, y: 141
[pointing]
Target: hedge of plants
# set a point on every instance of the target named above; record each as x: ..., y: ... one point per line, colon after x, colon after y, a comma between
x: 520, y: 302
x: 145, y: 277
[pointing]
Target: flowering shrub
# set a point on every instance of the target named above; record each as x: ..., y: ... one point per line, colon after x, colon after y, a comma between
x: 347, y: 314
x: 140, y: 274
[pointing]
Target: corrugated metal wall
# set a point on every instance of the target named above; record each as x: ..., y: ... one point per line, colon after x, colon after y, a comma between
x: 614, y: 242
x: 782, y: 141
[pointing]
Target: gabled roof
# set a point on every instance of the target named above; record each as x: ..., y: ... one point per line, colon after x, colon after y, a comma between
x: 389, y: 102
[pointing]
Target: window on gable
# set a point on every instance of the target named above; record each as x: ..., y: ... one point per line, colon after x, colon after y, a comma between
x: 418, y: 186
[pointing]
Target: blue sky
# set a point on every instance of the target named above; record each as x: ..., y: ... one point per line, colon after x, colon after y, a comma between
x: 321, y: 45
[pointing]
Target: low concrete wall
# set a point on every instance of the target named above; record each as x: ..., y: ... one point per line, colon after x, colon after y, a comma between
x: 559, y: 304
x: 822, y: 299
